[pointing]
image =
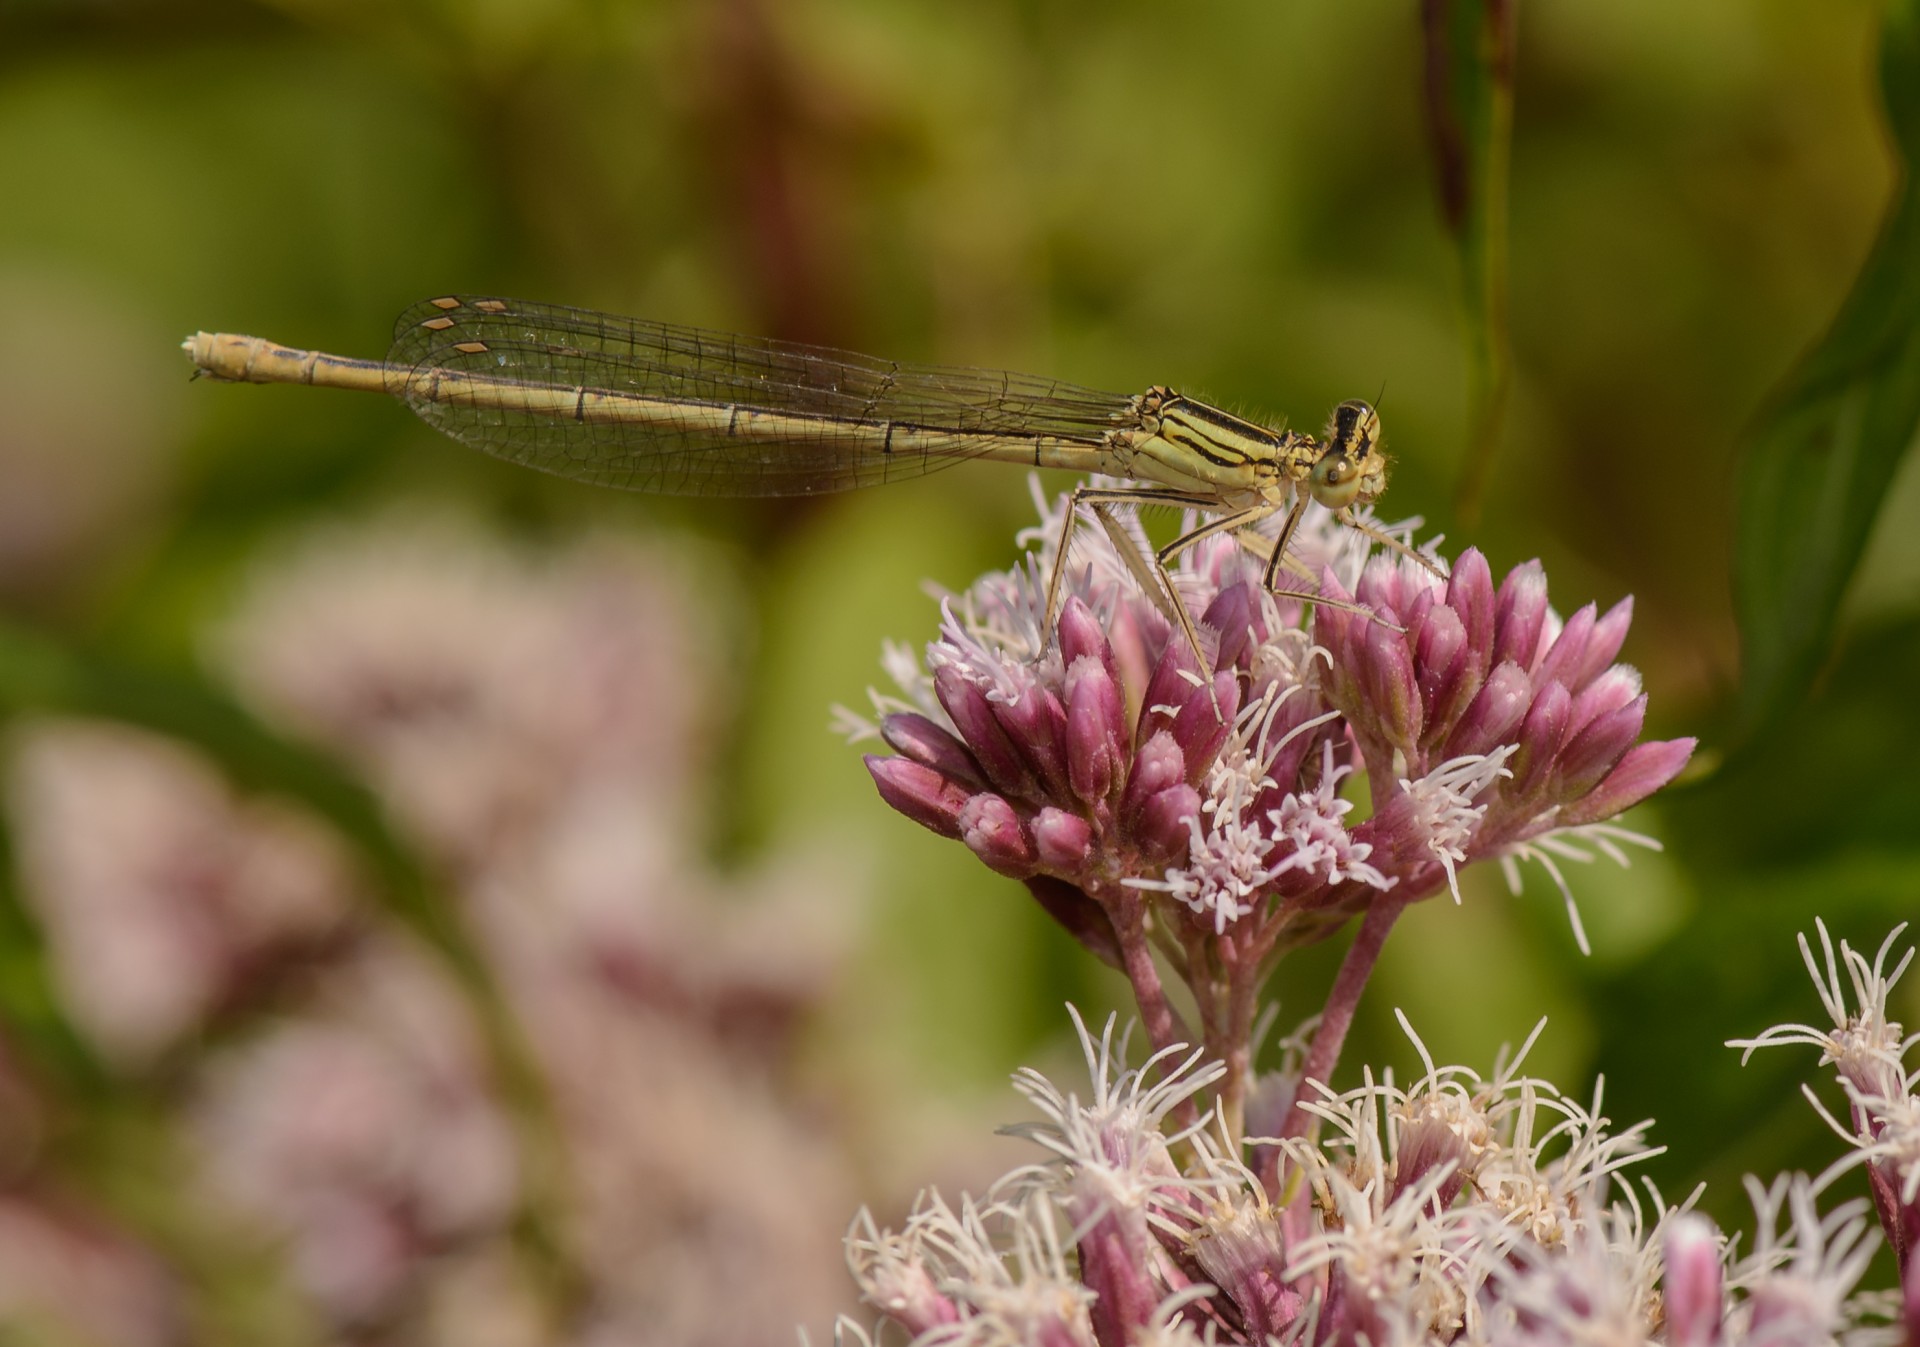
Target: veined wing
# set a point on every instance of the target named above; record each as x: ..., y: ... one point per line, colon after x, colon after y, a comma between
x: 645, y: 406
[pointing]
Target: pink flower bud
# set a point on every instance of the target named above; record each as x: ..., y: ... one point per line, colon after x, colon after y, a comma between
x: 1037, y: 726
x: 1247, y: 1261
x: 1116, y: 1263
x: 1381, y: 586
x: 1541, y: 735
x: 1567, y: 656
x: 1413, y: 617
x: 1447, y: 676
x: 1495, y: 712
x: 1427, y: 1141
x: 928, y: 744
x: 919, y: 792
x: 1096, y: 730
x: 1603, y: 647
x: 1081, y: 635
x: 972, y: 715
x: 1644, y: 769
x: 1615, y: 688
x: 1204, y: 722
x: 991, y: 829
x: 1162, y: 831
x: 1333, y: 627
x: 1693, y: 1283
x: 1173, y: 681
x: 1129, y: 636
x: 1470, y: 594
x: 1439, y: 649
x: 1158, y: 765
x: 1063, y: 841
x: 1520, y: 614
x: 1594, y: 751
x: 1391, y: 710
x: 907, y: 1295
x: 1234, y: 614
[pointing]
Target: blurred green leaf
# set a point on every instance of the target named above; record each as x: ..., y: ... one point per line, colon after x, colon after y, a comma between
x: 1859, y: 729
x: 1824, y: 450
x: 1469, y: 67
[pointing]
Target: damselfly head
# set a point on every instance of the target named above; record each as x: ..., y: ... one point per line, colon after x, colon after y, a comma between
x: 1354, y: 429
x: 1348, y: 466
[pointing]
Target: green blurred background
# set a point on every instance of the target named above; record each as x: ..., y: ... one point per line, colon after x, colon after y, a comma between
x: 1235, y: 198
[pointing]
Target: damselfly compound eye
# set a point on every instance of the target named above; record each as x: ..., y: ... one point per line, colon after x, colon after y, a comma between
x: 1335, y: 480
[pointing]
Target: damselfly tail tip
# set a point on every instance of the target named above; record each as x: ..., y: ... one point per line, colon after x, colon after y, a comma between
x: 193, y: 346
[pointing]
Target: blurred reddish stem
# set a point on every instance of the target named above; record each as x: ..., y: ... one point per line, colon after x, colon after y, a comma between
x: 1469, y: 89
x: 772, y: 140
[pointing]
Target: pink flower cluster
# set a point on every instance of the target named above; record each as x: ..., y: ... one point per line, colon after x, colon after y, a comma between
x: 1457, y: 671
x: 1457, y: 1211
x: 1145, y: 804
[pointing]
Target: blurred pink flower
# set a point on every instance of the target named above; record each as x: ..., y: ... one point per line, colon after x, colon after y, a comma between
x: 67, y: 1277
x: 362, y: 1134
x: 662, y: 1005
x: 481, y: 684
x: 163, y: 895
x: 540, y: 722
x: 709, y: 1205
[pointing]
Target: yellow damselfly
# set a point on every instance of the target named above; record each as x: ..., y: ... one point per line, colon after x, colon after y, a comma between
x: 646, y: 406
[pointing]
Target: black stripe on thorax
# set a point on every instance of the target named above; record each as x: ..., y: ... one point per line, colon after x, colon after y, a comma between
x: 1223, y: 421
x: 1217, y: 454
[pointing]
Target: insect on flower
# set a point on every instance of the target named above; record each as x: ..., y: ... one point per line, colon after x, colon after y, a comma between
x: 646, y: 406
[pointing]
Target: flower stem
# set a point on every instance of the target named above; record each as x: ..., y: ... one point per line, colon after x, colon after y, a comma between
x: 1136, y: 960
x: 1355, y: 969
x: 1163, y: 1024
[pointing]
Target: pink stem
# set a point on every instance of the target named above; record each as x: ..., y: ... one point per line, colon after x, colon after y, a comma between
x: 1337, y: 1019
x: 1136, y: 960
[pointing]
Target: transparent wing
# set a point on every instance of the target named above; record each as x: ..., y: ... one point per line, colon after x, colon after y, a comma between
x: 692, y: 412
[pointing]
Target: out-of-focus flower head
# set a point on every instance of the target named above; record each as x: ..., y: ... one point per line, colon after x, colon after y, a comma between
x: 540, y: 720
x: 366, y: 1136
x: 1456, y: 1212
x: 1868, y: 1051
x: 67, y: 1276
x: 482, y: 686
x: 163, y: 896
x: 1797, y: 1284
x: 699, y: 1191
